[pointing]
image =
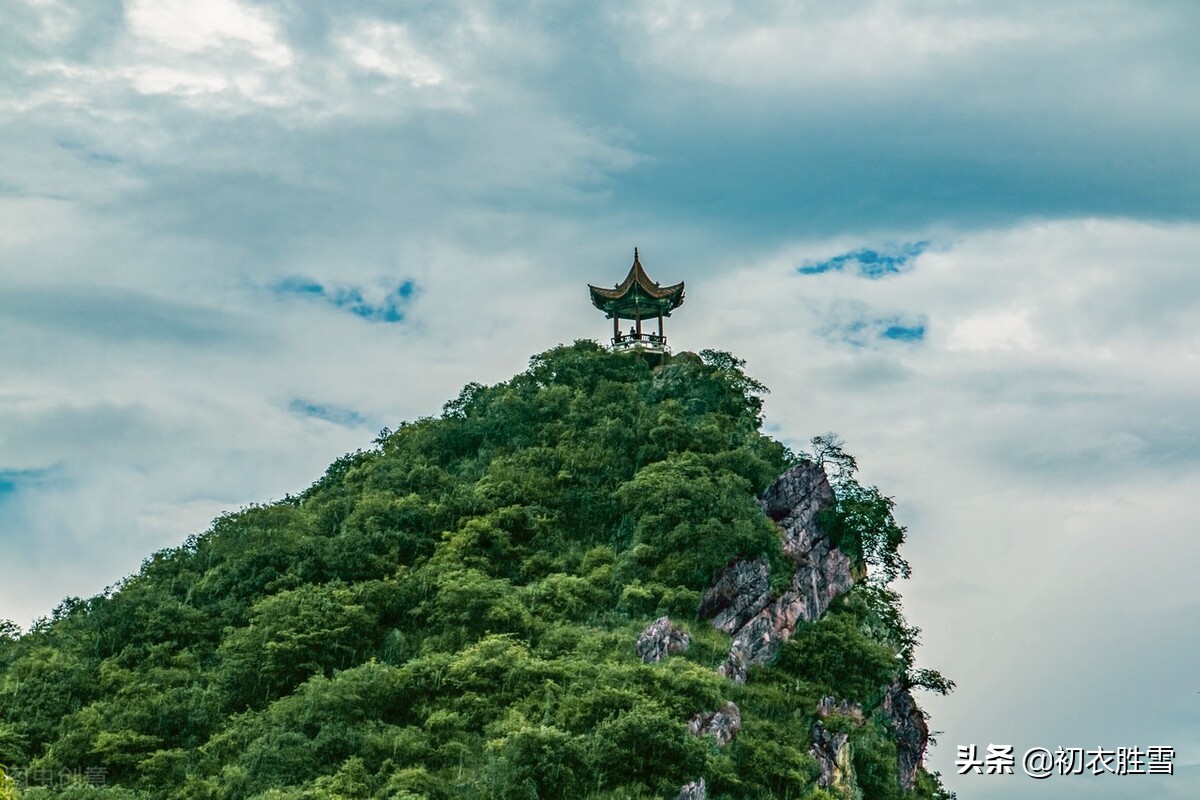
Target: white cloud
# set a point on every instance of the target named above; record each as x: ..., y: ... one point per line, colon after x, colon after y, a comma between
x: 807, y: 44
x: 388, y: 49
x: 216, y: 55
x: 1043, y: 447
x: 997, y: 330
x: 207, y: 27
x: 158, y: 177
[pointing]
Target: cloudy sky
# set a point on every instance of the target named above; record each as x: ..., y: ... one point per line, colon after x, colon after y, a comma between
x: 238, y: 237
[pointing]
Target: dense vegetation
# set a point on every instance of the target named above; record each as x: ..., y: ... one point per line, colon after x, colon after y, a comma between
x: 452, y: 614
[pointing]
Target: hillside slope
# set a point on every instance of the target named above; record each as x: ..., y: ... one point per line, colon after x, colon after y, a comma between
x: 566, y: 586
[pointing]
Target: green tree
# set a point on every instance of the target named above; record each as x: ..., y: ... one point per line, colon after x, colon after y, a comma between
x: 861, y: 521
x: 292, y: 636
x: 452, y: 613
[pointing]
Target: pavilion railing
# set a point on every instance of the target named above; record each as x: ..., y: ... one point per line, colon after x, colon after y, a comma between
x: 645, y: 341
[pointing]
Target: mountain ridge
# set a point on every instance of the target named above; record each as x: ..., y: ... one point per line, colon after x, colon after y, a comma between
x: 456, y: 613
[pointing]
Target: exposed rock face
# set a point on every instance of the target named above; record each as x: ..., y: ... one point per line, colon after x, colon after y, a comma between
x: 739, y: 602
x: 832, y: 752
x: 912, y: 733
x: 822, y: 571
x: 723, y: 724
x: 739, y: 592
x: 803, y: 489
x: 661, y: 639
x: 829, y: 707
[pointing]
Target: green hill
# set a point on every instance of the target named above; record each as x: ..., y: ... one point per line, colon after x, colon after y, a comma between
x: 456, y: 613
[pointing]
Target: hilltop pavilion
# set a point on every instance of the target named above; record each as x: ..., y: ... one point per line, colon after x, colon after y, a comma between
x: 638, y: 298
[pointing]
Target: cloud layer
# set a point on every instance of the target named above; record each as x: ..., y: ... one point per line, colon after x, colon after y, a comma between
x: 238, y: 238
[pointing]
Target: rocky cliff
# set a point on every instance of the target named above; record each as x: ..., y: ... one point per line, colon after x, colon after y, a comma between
x: 740, y: 602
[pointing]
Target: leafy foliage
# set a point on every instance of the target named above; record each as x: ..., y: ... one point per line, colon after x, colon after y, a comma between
x: 861, y: 521
x: 452, y: 614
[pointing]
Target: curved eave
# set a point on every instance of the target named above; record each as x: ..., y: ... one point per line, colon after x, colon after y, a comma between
x: 638, y: 279
x: 638, y: 282
x: 637, y: 303
x: 637, y: 295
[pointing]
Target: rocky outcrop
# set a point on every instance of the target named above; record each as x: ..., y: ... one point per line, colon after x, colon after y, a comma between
x: 661, y: 639
x: 739, y: 601
x: 741, y: 591
x: 822, y: 570
x: 830, y: 707
x: 802, y: 490
x: 723, y: 724
x: 832, y: 749
x: 910, y: 729
x: 833, y: 755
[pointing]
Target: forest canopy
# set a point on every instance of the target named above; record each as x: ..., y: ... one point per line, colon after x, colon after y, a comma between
x: 452, y: 614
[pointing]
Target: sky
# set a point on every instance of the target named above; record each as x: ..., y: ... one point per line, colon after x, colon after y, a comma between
x: 239, y: 237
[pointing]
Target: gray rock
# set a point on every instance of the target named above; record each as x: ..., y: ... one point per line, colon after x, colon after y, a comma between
x: 910, y: 729
x: 834, y: 759
x: 803, y: 489
x: 740, y: 592
x: 739, y: 601
x: 723, y: 724
x: 661, y: 639
x: 830, y: 707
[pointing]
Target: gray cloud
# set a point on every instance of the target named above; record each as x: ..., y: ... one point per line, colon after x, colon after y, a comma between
x: 958, y: 116
x: 1032, y: 407
x: 117, y: 316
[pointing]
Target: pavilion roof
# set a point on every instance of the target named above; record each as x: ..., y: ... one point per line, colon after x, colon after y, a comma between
x: 637, y: 295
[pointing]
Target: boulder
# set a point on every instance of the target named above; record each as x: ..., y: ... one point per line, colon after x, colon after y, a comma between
x: 660, y: 639
x: 739, y: 601
x: 910, y: 729
x: 723, y: 724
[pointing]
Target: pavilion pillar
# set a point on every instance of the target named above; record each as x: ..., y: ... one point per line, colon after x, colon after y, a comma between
x: 660, y: 325
x: 616, y: 328
x: 639, y: 326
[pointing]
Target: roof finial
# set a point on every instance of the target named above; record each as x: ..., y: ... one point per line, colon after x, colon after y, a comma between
x: 635, y: 255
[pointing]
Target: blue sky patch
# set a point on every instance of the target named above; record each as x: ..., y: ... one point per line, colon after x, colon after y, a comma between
x: 391, y: 306
x: 300, y: 286
x: 13, y: 480
x: 868, y: 263
x: 859, y: 330
x: 904, y: 333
